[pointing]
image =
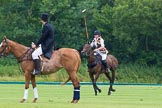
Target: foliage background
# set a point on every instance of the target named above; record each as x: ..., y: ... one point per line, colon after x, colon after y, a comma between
x: 132, y: 29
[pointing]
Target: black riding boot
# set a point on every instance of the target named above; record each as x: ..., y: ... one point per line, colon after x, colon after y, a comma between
x: 104, y: 62
x: 37, y: 70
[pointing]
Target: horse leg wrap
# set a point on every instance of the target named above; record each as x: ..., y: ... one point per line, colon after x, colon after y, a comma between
x: 76, y: 93
x: 25, y: 94
x: 35, y: 92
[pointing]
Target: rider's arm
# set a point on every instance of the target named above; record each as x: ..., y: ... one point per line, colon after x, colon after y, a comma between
x: 44, y: 35
x: 92, y: 43
x: 102, y: 45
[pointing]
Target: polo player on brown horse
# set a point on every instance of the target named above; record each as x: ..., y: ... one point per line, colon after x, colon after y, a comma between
x: 99, y: 62
x: 99, y: 48
x: 44, y: 45
x: 66, y: 58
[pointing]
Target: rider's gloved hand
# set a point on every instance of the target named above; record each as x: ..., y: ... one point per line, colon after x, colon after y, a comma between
x: 33, y: 45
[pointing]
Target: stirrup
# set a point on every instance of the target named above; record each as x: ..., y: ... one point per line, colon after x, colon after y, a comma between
x: 36, y: 72
x: 108, y: 70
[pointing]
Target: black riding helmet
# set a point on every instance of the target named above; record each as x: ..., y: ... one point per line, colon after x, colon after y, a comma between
x: 96, y: 32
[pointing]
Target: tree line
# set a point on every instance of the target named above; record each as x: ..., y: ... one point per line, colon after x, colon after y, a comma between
x: 132, y: 29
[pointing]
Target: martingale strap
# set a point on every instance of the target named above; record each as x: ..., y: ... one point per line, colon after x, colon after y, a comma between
x: 91, y: 65
x: 97, y: 61
x: 26, y: 56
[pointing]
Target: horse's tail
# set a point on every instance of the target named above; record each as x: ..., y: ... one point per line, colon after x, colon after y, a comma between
x: 66, y: 81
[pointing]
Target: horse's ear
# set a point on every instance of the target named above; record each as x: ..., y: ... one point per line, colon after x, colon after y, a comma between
x: 4, y: 37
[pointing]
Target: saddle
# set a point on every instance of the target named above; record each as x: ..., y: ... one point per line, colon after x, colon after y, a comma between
x: 27, y: 55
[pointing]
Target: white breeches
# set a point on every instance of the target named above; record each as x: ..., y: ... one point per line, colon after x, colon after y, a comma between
x: 37, y: 52
x: 103, y: 55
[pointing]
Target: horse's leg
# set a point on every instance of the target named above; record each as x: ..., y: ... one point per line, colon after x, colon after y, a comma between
x: 27, y: 82
x: 113, y: 79
x: 94, y: 83
x: 111, y: 82
x: 95, y: 80
x: 76, y: 84
x: 34, y: 88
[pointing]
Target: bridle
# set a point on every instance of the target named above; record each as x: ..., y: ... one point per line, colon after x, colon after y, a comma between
x: 2, y: 53
x: 92, y: 56
x: 25, y: 56
x: 88, y: 52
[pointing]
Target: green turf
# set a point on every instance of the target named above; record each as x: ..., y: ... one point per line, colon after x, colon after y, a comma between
x: 56, y: 96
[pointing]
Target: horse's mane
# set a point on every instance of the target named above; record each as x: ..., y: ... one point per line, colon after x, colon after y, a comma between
x: 16, y: 43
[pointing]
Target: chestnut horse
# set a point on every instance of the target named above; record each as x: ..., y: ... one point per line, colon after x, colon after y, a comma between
x: 95, y: 67
x: 66, y: 58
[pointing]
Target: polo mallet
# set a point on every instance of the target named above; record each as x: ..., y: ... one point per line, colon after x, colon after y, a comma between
x: 85, y: 22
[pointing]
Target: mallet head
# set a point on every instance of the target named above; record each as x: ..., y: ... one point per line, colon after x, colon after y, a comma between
x: 83, y: 10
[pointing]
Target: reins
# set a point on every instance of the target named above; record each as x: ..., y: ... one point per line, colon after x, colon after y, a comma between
x: 90, y: 53
x: 25, y: 56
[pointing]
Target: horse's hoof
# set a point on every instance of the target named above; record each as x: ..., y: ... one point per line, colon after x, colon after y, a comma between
x: 35, y: 99
x: 113, y: 90
x: 109, y: 93
x: 99, y: 90
x: 74, y: 101
x: 23, y: 100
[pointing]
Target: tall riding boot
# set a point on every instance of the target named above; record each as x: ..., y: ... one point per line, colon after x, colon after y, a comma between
x: 104, y: 62
x: 37, y: 70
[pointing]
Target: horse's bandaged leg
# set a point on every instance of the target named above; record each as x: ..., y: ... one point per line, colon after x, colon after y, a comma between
x: 35, y: 92
x: 25, y: 94
x: 76, y: 93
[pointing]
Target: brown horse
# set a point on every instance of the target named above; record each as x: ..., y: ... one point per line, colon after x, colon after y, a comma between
x: 95, y: 67
x: 66, y: 58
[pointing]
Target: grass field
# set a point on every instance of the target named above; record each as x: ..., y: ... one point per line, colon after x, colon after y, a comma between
x: 56, y: 96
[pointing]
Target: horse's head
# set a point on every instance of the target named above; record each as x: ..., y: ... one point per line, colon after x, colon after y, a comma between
x: 87, y: 50
x: 4, y: 47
